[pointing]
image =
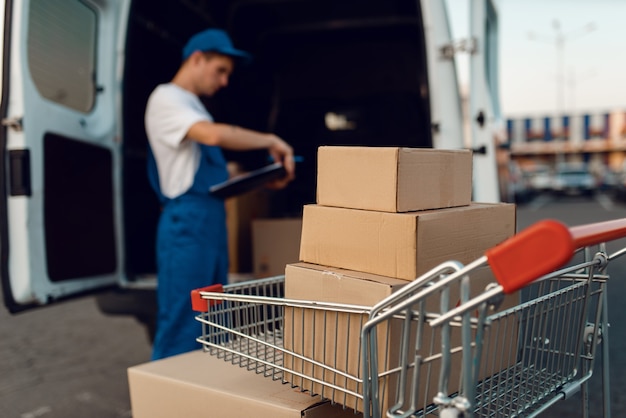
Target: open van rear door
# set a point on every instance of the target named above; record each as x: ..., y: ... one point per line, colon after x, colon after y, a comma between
x: 445, y: 100
x: 484, y: 113
x: 59, y: 194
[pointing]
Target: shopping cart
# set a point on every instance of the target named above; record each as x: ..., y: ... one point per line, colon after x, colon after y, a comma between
x: 437, y: 346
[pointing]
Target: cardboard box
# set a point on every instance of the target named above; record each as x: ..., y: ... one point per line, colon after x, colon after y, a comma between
x: 334, y: 339
x: 196, y: 384
x: 393, y: 179
x: 275, y: 243
x: 402, y: 245
x: 241, y: 211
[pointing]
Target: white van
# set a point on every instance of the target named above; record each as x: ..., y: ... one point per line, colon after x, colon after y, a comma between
x: 76, y: 212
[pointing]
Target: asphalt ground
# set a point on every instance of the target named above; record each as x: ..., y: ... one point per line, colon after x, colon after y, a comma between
x: 578, y: 211
x: 69, y: 360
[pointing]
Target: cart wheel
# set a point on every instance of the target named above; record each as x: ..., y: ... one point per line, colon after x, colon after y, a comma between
x: 451, y: 413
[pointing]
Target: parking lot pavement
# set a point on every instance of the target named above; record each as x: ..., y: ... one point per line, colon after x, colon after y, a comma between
x: 68, y: 360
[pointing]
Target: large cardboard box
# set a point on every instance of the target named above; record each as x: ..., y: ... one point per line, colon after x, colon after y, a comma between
x: 393, y: 179
x: 198, y: 385
x: 402, y: 245
x: 241, y: 211
x: 275, y: 243
x: 334, y: 339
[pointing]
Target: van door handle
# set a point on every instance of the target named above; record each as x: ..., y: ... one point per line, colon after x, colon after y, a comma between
x: 480, y: 150
x: 19, y: 171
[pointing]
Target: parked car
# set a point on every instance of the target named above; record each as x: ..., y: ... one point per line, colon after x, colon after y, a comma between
x: 619, y: 193
x: 609, y: 181
x: 540, y: 179
x: 519, y: 188
x: 573, y: 180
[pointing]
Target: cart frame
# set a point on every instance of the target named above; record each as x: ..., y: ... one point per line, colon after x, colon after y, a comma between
x: 557, y: 327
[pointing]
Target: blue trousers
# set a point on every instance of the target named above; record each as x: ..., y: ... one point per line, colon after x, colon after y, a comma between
x: 192, y: 252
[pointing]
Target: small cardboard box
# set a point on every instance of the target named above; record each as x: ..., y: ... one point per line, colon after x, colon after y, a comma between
x: 198, y: 385
x: 392, y: 179
x: 275, y: 243
x: 402, y: 245
x: 334, y: 339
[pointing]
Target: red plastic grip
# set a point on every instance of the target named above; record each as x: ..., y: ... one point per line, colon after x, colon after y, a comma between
x: 530, y: 254
x: 596, y: 233
x: 198, y: 303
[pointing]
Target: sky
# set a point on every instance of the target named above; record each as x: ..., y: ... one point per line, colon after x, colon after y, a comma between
x: 592, y: 77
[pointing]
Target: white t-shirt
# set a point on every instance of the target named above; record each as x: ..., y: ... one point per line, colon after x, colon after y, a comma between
x: 170, y: 112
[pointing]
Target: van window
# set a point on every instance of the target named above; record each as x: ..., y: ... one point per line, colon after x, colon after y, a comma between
x: 62, y: 50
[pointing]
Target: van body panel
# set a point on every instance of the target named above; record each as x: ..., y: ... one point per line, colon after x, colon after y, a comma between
x: 62, y: 235
x: 445, y: 98
x: 484, y: 117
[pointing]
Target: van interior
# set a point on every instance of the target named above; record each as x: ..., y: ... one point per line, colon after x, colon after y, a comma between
x: 324, y: 72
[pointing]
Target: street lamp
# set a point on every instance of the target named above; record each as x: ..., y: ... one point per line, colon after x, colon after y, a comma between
x: 573, y: 81
x: 559, y: 39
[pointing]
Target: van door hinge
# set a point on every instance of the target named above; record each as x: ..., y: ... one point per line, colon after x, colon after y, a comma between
x: 448, y: 51
x: 15, y: 123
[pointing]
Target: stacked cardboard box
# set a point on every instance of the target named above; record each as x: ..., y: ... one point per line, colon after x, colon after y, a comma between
x: 241, y: 212
x: 275, y: 243
x: 383, y: 217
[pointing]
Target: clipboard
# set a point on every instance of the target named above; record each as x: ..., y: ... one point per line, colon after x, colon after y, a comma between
x: 248, y: 181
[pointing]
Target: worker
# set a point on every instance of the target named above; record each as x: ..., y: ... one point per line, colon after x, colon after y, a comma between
x: 184, y: 159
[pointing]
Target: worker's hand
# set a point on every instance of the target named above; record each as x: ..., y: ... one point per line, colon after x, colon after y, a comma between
x: 282, y: 152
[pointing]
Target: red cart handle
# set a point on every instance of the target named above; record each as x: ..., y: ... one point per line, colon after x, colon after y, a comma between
x: 198, y: 303
x: 596, y: 233
x: 544, y: 247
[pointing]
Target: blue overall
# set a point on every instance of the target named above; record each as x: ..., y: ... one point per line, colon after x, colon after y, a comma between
x: 191, y: 251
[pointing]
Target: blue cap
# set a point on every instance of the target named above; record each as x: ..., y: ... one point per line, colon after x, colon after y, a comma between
x: 214, y: 40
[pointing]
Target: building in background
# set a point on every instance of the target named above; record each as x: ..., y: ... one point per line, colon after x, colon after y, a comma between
x: 536, y: 145
x: 598, y: 139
